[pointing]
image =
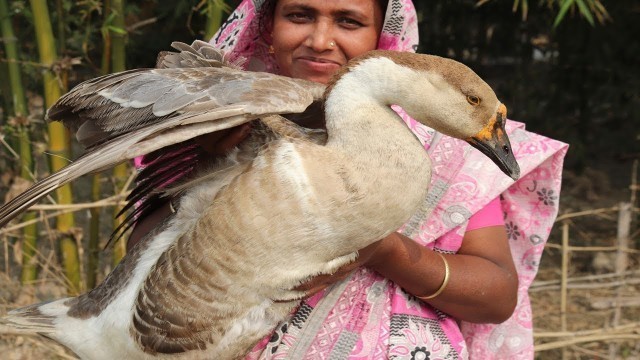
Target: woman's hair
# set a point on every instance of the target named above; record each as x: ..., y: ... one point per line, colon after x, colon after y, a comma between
x: 267, y: 11
x: 265, y: 17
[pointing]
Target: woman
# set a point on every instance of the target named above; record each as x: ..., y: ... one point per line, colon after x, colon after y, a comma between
x: 407, y: 295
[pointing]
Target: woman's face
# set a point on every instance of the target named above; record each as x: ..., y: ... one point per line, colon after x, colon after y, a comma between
x: 313, y: 38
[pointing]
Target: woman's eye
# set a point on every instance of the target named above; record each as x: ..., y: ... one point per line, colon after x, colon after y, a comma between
x: 350, y: 23
x: 298, y: 17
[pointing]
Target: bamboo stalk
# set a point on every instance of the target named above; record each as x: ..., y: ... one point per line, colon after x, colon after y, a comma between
x: 634, y: 189
x: 564, y: 281
x: 5, y: 242
x: 58, y: 142
x: 5, y: 88
x: 595, y: 248
x: 538, y: 283
x: 93, y: 246
x: 106, y: 40
x: 120, y: 172
x: 215, y: 9
x: 609, y: 284
x: 624, y: 229
x: 622, y: 239
x: 592, y: 353
x: 15, y: 78
x: 29, y: 234
x: 111, y: 201
x: 600, y: 211
x: 562, y: 344
x: 621, y: 328
x: 616, y: 302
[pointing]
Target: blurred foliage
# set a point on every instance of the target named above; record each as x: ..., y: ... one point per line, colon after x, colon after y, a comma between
x: 568, y: 68
x: 588, y: 9
x: 575, y: 82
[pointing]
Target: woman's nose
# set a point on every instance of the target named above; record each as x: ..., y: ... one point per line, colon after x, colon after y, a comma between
x: 321, y: 37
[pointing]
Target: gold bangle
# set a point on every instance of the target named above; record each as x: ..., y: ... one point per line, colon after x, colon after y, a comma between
x: 445, y: 281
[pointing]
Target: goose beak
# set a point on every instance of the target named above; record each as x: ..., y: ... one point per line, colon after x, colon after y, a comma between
x: 493, y: 141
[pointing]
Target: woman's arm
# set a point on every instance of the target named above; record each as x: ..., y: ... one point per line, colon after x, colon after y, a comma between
x: 483, y: 281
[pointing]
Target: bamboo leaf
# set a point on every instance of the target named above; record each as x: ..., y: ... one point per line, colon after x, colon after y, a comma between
x: 117, y: 30
x: 584, y: 10
x: 600, y: 11
x: 564, y: 7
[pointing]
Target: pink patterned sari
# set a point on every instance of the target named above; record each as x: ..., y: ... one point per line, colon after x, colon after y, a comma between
x: 369, y: 317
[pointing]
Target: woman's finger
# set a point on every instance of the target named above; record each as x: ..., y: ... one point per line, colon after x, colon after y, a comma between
x: 221, y: 142
x: 234, y: 137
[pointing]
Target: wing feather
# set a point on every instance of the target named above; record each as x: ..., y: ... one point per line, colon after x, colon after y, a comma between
x: 216, y: 99
x: 198, y: 54
x: 139, y: 98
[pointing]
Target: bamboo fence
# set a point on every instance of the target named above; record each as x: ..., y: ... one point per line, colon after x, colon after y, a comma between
x: 614, y: 295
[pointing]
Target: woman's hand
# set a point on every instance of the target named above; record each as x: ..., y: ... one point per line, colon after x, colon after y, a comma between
x: 366, y: 257
x: 221, y: 142
x: 483, y: 281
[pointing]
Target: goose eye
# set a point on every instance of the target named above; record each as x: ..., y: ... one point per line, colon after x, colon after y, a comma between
x: 473, y: 100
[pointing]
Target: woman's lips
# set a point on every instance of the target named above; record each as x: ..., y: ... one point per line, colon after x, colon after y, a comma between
x: 318, y: 64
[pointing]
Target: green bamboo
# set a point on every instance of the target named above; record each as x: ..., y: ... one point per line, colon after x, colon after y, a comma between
x: 93, y: 245
x: 60, y: 27
x: 215, y: 9
x: 58, y: 142
x: 5, y: 89
x: 63, y: 75
x: 106, y: 39
x: 20, y: 109
x: 120, y: 173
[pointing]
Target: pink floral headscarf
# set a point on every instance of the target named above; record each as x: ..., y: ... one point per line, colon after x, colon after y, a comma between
x: 240, y: 36
x: 369, y: 317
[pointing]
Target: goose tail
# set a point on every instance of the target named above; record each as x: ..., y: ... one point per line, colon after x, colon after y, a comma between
x: 35, y: 319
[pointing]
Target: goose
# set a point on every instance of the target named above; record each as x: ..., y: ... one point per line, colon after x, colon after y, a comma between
x: 222, y: 271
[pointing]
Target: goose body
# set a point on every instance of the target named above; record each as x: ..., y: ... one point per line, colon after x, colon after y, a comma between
x: 221, y: 272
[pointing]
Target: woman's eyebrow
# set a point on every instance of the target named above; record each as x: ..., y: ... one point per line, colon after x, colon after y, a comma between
x: 358, y: 15
x: 298, y: 6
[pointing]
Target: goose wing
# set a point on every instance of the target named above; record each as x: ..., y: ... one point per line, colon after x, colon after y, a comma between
x: 172, y: 100
x: 121, y: 116
x: 198, y: 54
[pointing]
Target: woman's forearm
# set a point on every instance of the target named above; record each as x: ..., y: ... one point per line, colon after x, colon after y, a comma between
x: 480, y: 289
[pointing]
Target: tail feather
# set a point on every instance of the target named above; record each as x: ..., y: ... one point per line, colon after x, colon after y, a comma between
x: 30, y: 320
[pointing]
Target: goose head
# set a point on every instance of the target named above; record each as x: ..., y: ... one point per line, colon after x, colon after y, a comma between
x: 441, y: 93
